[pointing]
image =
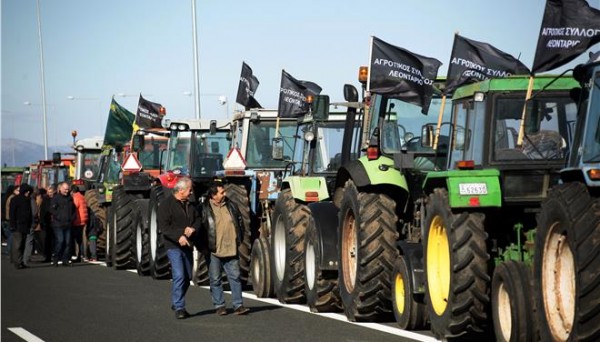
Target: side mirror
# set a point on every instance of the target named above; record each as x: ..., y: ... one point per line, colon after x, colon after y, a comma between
x: 320, y: 107
x: 56, y: 158
x: 277, y: 151
x: 138, y: 143
x: 427, y: 135
x: 213, y: 127
x: 350, y: 93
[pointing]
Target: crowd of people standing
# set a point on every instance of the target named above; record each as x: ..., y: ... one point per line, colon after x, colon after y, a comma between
x: 48, y: 222
x: 53, y: 223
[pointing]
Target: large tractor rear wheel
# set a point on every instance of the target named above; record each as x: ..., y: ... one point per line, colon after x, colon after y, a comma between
x: 367, y: 246
x: 91, y: 199
x: 322, y: 293
x: 410, y: 311
x: 567, y: 265
x: 456, y: 269
x: 160, y: 267
x: 239, y: 196
x: 290, y: 219
x: 142, y: 239
x: 124, y: 214
x: 512, y: 304
x: 262, y: 283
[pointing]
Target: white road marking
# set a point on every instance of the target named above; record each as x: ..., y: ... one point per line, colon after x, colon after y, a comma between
x: 24, y: 334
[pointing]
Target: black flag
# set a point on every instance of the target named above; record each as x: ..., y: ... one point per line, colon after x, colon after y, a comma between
x: 401, y: 74
x: 248, y: 85
x: 292, y: 95
x: 149, y: 114
x: 569, y: 28
x: 473, y: 61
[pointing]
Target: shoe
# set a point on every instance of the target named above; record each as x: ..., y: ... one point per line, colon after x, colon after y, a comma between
x: 241, y: 310
x: 181, y: 314
x: 20, y: 266
x: 222, y: 311
x: 67, y: 264
x: 93, y: 260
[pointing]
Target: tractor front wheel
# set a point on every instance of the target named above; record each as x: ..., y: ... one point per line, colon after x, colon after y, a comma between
x: 567, y: 265
x: 456, y: 269
x: 367, y: 246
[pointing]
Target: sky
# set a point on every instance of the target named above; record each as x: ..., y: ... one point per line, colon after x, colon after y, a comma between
x: 96, y: 49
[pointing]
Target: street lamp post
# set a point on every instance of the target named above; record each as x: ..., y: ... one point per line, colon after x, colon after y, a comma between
x: 196, y: 76
x: 43, y: 81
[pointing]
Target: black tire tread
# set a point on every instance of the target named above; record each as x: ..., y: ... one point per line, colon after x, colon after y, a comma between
x: 371, y: 298
x: 582, y: 226
x: 466, y: 315
x: 125, y: 211
x: 239, y: 196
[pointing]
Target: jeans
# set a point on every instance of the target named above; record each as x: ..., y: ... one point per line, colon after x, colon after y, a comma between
x: 77, y: 235
x: 18, y: 246
x: 8, y: 233
x: 181, y: 270
x: 29, y: 246
x: 231, y: 266
x: 92, y: 246
x: 62, y: 238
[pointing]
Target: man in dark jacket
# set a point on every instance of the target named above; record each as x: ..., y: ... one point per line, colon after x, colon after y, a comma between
x: 47, y: 234
x: 224, y: 228
x: 62, y: 210
x: 21, y: 222
x: 178, y: 221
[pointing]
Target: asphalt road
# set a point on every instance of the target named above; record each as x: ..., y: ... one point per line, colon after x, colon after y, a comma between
x: 89, y: 302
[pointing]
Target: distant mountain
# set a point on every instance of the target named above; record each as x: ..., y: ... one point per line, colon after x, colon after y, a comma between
x: 17, y: 152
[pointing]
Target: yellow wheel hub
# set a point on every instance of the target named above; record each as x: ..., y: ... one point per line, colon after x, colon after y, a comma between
x: 399, y: 293
x: 438, y: 265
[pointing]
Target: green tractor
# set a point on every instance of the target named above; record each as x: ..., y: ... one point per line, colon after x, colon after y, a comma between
x: 300, y: 266
x: 479, y: 216
x: 566, y: 270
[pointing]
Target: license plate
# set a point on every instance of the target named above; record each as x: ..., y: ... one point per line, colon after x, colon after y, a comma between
x: 473, y: 189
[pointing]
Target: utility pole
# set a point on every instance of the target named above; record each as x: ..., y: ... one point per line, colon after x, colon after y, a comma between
x: 196, y: 74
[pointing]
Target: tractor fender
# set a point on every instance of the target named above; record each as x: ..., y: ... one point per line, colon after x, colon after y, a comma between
x: 365, y: 172
x: 413, y: 254
x: 325, y: 215
x: 300, y: 186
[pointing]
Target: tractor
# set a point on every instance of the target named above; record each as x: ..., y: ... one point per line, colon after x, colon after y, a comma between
x: 141, y: 166
x: 567, y: 254
x: 195, y: 149
x: 478, y: 217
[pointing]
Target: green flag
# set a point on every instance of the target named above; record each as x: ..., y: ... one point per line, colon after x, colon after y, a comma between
x: 119, y: 125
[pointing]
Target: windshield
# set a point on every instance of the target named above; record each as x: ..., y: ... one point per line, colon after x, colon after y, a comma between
x: 89, y: 165
x: 548, y: 124
x: 260, y: 143
x: 209, y: 152
x: 403, y: 124
x: 179, y: 151
x: 114, y: 168
x: 591, y: 146
x: 327, y: 145
x: 150, y: 156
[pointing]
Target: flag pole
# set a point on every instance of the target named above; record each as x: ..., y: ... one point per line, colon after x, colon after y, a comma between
x: 439, y: 122
x: 527, y: 97
x: 369, y: 68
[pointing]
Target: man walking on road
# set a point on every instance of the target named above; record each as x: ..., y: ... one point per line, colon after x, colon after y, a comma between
x: 224, y: 226
x: 178, y: 221
x: 62, y: 210
x: 21, y: 221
